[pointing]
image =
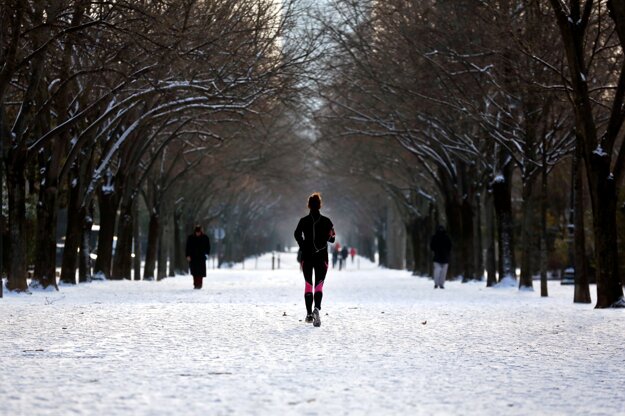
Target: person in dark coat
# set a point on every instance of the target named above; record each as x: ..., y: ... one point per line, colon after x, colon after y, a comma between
x: 343, y: 260
x: 313, y: 232
x: 335, y: 254
x: 198, y: 247
x: 440, y: 244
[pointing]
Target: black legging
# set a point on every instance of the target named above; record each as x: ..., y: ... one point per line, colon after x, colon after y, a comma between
x: 320, y: 264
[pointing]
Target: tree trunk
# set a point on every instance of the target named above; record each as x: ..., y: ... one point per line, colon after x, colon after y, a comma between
x: 136, y: 238
x: 527, y: 234
x: 468, y: 238
x: 84, y: 264
x: 409, y: 252
x: 16, y: 185
x: 415, y: 226
x: 122, y: 262
x: 603, y: 195
x: 491, y: 261
x: 544, y: 291
x: 601, y: 182
x: 381, y: 249
x: 150, y: 254
x: 434, y: 219
x: 455, y: 222
x: 3, y: 239
x: 45, y: 253
x: 478, y: 252
x: 582, y: 287
x: 73, y: 234
x: 171, y: 254
x: 3, y: 242
x: 107, y: 202
x: 180, y: 262
x: 503, y: 209
x: 161, y: 271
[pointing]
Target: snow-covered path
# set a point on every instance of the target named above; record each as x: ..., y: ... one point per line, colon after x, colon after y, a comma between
x: 388, y: 344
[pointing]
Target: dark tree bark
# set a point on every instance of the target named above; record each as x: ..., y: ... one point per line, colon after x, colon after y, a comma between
x: 597, y: 150
x: 122, y: 262
x: 151, y: 249
x: 107, y: 202
x: 136, y: 238
x: 16, y: 185
x: 502, y: 199
x: 171, y: 248
x: 17, y: 158
x: 582, y: 287
x: 415, y: 232
x: 180, y: 263
x: 491, y: 261
x: 544, y: 291
x: 381, y: 248
x: 84, y: 263
x: 609, y: 288
x: 527, y: 236
x: 453, y: 211
x: 467, y: 242
x: 45, y: 257
x: 161, y: 270
x: 73, y: 233
x: 3, y: 242
x: 478, y: 240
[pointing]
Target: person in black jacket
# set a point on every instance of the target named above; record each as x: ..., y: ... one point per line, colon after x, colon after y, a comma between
x: 198, y: 247
x: 440, y: 244
x: 312, y: 235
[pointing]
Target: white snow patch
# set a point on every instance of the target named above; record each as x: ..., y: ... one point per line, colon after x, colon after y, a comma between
x: 619, y: 303
x: 388, y: 344
x: 108, y: 188
x: 53, y: 84
x: 99, y: 276
x: 507, y: 281
x: 599, y: 151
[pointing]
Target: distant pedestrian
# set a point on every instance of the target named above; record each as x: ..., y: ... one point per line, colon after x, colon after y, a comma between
x: 313, y: 232
x: 440, y: 244
x: 197, y: 250
x: 343, y: 260
x: 335, y: 254
x: 352, y: 253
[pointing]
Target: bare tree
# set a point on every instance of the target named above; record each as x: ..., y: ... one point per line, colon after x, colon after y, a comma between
x: 587, y: 30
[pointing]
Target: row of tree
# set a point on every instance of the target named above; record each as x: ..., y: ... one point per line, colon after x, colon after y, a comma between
x: 469, y: 112
x: 116, y: 111
x: 503, y: 119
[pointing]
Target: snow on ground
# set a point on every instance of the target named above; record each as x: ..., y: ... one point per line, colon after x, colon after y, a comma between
x: 388, y: 344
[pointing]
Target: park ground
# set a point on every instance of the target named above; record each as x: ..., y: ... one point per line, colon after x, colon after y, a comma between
x: 388, y: 344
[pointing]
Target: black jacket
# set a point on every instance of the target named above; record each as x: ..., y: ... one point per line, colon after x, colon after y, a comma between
x: 441, y: 246
x: 198, y: 247
x: 313, y: 233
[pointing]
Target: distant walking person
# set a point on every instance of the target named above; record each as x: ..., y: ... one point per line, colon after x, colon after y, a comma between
x: 343, y: 260
x: 352, y: 253
x: 312, y: 235
x: 441, y: 246
x: 335, y: 254
x: 198, y: 247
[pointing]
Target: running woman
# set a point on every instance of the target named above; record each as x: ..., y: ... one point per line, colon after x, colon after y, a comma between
x: 312, y: 234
